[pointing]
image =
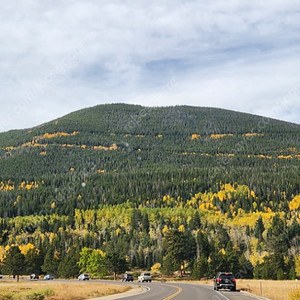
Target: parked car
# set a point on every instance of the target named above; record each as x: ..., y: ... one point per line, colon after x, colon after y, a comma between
x: 1, y: 276
x: 225, y: 280
x: 48, y: 277
x: 83, y: 277
x: 34, y: 276
x: 127, y: 277
x: 144, y: 277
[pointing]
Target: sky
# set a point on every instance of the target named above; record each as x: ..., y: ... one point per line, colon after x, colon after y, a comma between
x: 60, y: 56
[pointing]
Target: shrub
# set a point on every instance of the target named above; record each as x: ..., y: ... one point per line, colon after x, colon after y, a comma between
x: 35, y: 296
x: 294, y: 295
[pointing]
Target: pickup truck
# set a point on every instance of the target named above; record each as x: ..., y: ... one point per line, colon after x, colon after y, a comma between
x: 144, y: 277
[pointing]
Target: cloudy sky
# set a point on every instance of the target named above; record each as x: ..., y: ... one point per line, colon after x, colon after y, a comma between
x: 60, y: 56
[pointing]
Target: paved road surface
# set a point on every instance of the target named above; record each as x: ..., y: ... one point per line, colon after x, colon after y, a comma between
x: 182, y: 291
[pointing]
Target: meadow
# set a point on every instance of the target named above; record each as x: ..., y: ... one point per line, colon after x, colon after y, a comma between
x: 53, y: 290
x: 272, y: 289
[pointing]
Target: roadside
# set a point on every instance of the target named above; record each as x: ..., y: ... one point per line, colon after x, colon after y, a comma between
x: 259, y: 289
x: 134, y: 291
x: 59, y: 289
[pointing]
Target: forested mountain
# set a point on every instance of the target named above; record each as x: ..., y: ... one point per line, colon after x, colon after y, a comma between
x: 118, y: 153
x: 222, y: 179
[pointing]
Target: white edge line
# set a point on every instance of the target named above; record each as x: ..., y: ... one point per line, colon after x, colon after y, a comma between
x: 255, y: 296
x: 222, y: 295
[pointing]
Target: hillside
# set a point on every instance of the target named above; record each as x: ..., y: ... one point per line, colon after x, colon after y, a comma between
x: 118, y: 153
x: 162, y: 189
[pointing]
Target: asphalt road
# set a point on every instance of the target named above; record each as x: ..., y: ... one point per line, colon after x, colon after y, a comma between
x: 182, y: 291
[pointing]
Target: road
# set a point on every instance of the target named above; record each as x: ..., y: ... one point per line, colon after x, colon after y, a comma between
x: 182, y: 291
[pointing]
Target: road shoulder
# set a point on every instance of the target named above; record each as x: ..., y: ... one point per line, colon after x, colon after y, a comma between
x: 254, y: 296
x: 134, y: 291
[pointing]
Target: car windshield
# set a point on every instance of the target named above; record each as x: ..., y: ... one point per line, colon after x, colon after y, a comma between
x: 146, y: 274
x: 226, y: 276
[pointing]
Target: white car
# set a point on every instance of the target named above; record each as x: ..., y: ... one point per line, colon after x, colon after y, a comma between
x: 144, y: 277
x: 83, y: 277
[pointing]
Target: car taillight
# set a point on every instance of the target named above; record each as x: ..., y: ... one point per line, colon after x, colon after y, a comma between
x: 234, y: 280
x: 218, y: 279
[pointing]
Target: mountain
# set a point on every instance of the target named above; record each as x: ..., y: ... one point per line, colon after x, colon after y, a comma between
x: 157, y: 189
x: 111, y: 154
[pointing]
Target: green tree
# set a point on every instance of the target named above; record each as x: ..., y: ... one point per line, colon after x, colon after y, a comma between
x: 179, y: 246
x: 92, y: 261
x: 168, y: 266
x: 33, y: 261
x: 195, y: 222
x: 115, y: 263
x: 259, y: 228
x: 14, y: 263
x: 68, y: 267
x: 50, y: 262
x: 203, y: 244
x: 200, y: 268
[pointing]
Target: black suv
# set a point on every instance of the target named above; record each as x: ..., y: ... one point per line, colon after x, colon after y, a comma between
x: 127, y: 277
x: 225, y: 280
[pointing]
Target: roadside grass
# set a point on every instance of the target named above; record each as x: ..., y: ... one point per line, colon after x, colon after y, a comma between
x: 272, y: 289
x: 38, y: 290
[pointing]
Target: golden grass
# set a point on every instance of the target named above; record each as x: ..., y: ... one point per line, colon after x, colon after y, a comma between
x: 272, y: 289
x: 53, y: 290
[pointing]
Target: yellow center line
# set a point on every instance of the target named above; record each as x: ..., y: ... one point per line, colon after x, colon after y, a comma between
x: 179, y: 290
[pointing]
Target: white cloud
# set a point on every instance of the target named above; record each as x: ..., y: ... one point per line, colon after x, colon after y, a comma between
x: 57, y: 56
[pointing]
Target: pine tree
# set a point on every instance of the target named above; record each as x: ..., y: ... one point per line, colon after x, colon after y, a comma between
x: 50, y: 262
x: 195, y: 222
x: 14, y: 263
x: 200, y: 268
x: 115, y: 263
x: 34, y: 261
x: 259, y: 228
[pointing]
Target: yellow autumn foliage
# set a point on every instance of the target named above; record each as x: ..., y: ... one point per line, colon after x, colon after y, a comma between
x: 219, y: 136
x: 165, y: 229
x: 156, y: 268
x: 297, y: 265
x: 195, y: 137
x: 285, y: 156
x: 55, y: 135
x: 25, y: 248
x: 295, y: 203
x: 251, y: 134
x: 181, y: 228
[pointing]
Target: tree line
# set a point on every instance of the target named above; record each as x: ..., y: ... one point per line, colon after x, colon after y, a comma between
x: 182, y: 240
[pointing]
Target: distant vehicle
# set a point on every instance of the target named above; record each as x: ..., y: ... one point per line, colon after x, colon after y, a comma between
x: 127, y: 277
x: 34, y: 276
x: 225, y: 280
x: 83, y: 277
x: 1, y: 276
x: 144, y: 277
x: 48, y: 277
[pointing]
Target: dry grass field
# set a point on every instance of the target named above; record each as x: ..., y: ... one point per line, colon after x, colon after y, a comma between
x: 53, y: 290
x: 272, y: 289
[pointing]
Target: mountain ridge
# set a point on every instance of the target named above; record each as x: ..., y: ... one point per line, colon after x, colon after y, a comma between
x: 119, y: 149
